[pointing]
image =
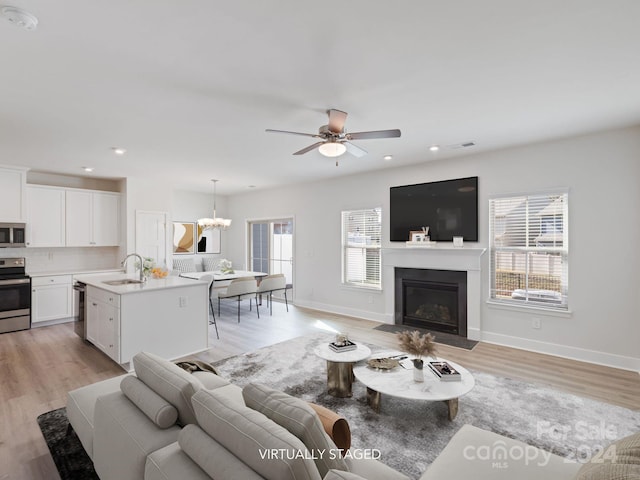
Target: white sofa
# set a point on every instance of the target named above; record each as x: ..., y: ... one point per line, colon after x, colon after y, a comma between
x: 164, y: 423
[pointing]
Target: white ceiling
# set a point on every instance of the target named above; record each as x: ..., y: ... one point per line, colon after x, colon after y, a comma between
x: 188, y: 87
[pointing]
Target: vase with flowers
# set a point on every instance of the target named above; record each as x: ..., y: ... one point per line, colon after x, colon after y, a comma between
x: 418, y: 345
x: 225, y: 266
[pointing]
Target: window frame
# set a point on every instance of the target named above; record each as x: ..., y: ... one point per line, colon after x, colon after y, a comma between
x: 528, y: 251
x: 365, y: 248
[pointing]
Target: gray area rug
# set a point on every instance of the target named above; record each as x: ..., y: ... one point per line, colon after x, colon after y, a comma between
x: 410, y: 434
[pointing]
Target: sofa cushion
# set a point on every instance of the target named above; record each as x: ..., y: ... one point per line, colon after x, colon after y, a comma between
x: 619, y: 461
x: 156, y: 408
x: 212, y: 457
x: 263, y: 445
x: 170, y: 382
x: 465, y: 456
x: 172, y: 463
x: 300, y: 419
x: 335, y: 425
x: 340, y: 475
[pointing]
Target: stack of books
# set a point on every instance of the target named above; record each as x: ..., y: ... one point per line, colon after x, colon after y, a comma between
x: 343, y: 347
x: 444, y: 371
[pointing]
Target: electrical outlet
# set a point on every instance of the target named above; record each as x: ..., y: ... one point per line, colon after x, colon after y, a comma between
x: 182, y: 301
x: 535, y: 323
x: 370, y: 299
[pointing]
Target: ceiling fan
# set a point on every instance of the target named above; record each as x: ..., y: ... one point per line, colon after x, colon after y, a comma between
x: 335, y: 141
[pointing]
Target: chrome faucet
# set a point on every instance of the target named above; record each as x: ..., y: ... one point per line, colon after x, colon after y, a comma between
x: 124, y: 262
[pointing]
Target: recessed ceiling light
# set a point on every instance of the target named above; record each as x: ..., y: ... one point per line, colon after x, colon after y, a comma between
x: 20, y: 18
x: 434, y: 148
x: 388, y: 157
x: 118, y: 150
x: 88, y: 169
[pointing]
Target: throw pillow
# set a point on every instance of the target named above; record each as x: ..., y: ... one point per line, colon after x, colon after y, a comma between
x: 210, y: 264
x: 169, y: 381
x: 619, y: 461
x: 263, y: 445
x: 300, y: 419
x: 184, y: 265
x: 335, y: 425
x: 156, y: 408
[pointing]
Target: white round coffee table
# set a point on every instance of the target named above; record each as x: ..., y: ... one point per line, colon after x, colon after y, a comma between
x: 340, y: 367
x: 399, y: 382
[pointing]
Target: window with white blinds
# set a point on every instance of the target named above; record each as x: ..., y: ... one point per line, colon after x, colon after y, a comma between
x: 361, y: 240
x: 529, y: 248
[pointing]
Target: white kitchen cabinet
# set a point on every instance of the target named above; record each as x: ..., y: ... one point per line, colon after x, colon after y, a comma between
x: 45, y: 216
x: 51, y: 298
x: 12, y: 194
x: 103, y: 321
x: 92, y: 218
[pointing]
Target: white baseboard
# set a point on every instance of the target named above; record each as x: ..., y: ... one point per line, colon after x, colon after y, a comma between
x: 574, y: 353
x: 350, y: 312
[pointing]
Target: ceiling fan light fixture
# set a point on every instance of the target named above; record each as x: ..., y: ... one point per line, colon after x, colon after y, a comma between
x: 332, y: 149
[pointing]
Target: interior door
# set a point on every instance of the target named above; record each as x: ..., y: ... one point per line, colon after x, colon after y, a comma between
x: 151, y: 236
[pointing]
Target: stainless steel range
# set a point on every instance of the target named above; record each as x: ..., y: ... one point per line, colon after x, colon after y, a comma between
x: 15, y: 295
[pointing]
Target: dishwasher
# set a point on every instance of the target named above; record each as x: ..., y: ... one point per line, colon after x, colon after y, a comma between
x: 80, y: 324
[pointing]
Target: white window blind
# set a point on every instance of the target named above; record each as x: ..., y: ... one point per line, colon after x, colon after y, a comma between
x: 361, y: 240
x: 529, y: 247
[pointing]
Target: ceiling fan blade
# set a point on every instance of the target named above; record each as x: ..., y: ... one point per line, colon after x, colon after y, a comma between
x: 336, y: 120
x: 376, y: 134
x: 313, y: 135
x: 354, y: 149
x: 308, y: 149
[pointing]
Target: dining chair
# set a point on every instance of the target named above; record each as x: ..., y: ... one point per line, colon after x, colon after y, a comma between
x: 212, y: 293
x: 240, y: 288
x: 273, y: 283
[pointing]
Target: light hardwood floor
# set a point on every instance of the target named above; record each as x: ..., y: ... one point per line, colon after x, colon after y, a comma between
x: 39, y: 366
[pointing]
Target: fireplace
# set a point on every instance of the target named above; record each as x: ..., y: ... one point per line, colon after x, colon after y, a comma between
x: 431, y: 299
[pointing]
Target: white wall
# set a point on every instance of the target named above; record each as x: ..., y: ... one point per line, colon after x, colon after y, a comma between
x: 601, y: 171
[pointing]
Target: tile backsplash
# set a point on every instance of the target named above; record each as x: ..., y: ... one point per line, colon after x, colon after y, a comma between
x: 66, y: 259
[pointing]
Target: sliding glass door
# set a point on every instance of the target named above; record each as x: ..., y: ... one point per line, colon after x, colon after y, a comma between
x: 271, y: 246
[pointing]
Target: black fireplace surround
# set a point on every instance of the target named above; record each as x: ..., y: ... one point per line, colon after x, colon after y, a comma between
x: 431, y: 299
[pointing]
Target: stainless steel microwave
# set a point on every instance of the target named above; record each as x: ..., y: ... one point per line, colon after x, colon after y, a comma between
x: 12, y: 234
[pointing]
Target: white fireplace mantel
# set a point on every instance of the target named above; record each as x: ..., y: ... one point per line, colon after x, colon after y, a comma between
x: 439, y: 258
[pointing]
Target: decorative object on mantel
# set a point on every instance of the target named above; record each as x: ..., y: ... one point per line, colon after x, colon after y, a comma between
x: 225, y: 266
x: 215, y: 222
x: 419, y: 345
x: 458, y: 242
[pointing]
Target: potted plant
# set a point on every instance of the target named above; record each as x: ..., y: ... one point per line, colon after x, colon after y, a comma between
x: 418, y: 345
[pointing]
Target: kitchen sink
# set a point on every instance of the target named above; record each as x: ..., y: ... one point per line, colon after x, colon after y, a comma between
x: 124, y: 281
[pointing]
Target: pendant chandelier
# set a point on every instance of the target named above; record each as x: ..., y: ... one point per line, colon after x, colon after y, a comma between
x: 215, y: 222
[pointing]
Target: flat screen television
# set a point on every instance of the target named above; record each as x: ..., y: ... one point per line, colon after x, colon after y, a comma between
x: 449, y: 208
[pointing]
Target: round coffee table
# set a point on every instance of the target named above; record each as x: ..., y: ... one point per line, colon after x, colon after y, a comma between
x: 399, y: 382
x: 340, y: 367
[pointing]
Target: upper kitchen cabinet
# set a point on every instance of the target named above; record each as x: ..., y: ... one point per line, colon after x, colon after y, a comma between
x: 92, y: 218
x: 12, y: 194
x: 45, y: 216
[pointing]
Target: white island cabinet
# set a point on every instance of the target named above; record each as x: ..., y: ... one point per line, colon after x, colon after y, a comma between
x: 168, y: 316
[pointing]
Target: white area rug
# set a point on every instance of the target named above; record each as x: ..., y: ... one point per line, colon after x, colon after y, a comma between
x: 410, y: 434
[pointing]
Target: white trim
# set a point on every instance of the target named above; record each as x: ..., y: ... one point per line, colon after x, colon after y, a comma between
x: 528, y: 308
x: 349, y: 312
x: 573, y: 353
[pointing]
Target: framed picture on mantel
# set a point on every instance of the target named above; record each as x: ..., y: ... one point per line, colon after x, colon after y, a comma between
x: 184, y: 238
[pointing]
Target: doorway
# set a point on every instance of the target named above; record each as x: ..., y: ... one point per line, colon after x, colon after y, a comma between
x: 271, y: 247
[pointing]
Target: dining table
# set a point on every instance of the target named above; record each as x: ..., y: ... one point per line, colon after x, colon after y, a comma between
x: 219, y: 276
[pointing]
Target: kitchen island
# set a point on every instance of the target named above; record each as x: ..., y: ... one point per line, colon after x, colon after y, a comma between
x: 166, y: 316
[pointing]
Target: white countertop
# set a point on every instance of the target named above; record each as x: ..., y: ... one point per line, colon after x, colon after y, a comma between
x: 151, y: 284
